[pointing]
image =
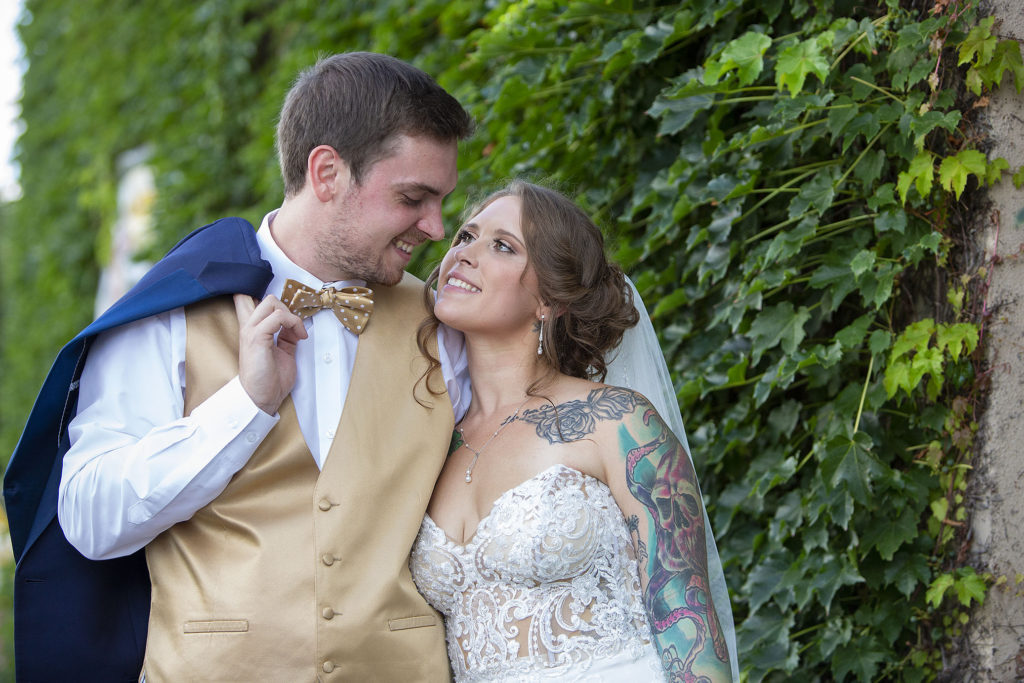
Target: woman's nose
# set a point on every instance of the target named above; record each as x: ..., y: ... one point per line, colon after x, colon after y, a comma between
x: 466, y: 253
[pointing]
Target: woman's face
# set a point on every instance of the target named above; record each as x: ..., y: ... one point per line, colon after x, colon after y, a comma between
x: 482, y: 287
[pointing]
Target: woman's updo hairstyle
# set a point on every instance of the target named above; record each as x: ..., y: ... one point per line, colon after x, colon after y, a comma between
x: 590, y: 300
x: 591, y: 303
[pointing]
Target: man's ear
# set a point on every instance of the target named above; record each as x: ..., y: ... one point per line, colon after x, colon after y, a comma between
x: 327, y: 173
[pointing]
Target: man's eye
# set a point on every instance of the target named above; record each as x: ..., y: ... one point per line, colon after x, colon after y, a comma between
x: 409, y: 201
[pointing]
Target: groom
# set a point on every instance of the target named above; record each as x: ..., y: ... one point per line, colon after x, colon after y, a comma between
x: 267, y: 461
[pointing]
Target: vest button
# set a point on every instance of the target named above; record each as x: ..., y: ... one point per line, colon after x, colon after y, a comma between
x: 328, y: 559
x: 325, y: 504
x: 328, y: 667
x: 328, y: 613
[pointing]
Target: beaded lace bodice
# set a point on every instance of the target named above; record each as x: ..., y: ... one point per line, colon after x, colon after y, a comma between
x: 548, y: 582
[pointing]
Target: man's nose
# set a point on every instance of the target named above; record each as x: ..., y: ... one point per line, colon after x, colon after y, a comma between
x: 432, y: 224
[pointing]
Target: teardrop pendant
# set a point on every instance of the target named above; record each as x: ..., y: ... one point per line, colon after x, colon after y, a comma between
x: 476, y: 453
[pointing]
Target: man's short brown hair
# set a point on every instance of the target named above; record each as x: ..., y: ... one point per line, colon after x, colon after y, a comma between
x: 358, y: 103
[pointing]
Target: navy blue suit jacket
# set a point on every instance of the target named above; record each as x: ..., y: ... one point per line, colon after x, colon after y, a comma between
x: 78, y: 619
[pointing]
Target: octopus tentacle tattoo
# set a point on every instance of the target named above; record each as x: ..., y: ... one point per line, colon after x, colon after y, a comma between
x: 660, y: 476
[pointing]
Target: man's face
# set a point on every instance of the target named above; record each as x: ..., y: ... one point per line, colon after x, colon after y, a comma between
x: 397, y: 206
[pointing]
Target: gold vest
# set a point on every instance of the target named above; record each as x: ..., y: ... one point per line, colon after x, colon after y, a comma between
x: 295, y: 574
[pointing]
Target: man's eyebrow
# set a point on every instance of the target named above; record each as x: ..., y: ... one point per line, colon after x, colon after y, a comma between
x: 418, y: 187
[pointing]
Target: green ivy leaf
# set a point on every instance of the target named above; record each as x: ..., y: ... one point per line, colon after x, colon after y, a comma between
x: 764, y: 579
x: 979, y: 44
x: 870, y: 168
x: 956, y: 338
x: 974, y: 81
x: 837, y: 632
x: 764, y: 638
x: 907, y: 571
x: 866, y: 124
x: 921, y: 125
x: 738, y: 372
x: 620, y: 52
x: 860, y: 658
x: 853, y: 334
x: 816, y: 194
x: 970, y: 586
x: 653, y: 40
x: 1018, y: 178
x: 778, y: 325
x: 835, y: 572
x: 879, y: 341
x: 921, y: 173
x: 890, y: 535
x: 514, y: 92
x: 938, y: 589
x: 897, y: 376
x: 669, y: 303
x: 953, y: 171
x: 1006, y: 58
x: 893, y: 219
x: 848, y: 463
x: 883, y: 196
x: 798, y: 61
x: 862, y: 262
x: 876, y: 286
x: 994, y: 171
x: 788, y: 242
x: 676, y: 114
x: 745, y: 54
x: 843, y: 110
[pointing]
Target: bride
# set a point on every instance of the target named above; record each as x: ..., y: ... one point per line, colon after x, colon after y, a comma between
x: 566, y: 537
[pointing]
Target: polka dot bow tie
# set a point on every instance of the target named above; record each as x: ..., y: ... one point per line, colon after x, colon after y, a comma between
x: 352, y: 305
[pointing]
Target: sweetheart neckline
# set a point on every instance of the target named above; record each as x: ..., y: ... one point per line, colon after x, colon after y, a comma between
x: 494, y: 506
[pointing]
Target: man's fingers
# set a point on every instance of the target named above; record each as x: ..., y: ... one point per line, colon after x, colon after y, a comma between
x: 268, y: 316
x: 266, y: 366
x: 244, y: 306
x: 278, y: 320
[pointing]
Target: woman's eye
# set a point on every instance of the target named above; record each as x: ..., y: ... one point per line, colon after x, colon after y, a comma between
x: 462, y: 236
x: 503, y: 246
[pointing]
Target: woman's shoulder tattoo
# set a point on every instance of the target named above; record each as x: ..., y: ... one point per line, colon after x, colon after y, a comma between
x: 574, y: 420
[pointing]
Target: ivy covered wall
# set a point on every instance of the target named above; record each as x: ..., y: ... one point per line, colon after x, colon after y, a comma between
x: 788, y: 182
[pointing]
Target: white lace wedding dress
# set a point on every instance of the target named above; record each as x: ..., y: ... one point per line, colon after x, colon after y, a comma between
x: 546, y: 588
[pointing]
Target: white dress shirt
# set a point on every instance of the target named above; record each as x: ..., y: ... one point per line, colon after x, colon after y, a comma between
x: 136, y: 466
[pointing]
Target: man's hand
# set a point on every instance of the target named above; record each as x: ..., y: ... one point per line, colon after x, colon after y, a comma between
x: 266, y: 367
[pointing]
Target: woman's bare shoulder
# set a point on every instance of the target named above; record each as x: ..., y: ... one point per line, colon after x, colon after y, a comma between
x: 576, y: 409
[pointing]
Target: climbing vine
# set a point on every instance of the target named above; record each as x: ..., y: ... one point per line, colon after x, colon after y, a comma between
x: 789, y: 183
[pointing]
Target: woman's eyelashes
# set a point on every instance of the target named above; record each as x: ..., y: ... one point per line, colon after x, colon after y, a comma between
x: 464, y: 236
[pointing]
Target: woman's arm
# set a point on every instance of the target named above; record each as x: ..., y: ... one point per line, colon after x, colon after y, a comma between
x: 652, y: 479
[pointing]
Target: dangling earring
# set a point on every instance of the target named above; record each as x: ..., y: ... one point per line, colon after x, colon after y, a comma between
x: 540, y: 337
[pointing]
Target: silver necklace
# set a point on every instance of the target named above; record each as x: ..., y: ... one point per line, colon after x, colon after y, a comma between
x: 476, y: 453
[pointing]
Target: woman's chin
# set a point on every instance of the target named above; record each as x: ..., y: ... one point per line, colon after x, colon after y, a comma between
x: 443, y: 312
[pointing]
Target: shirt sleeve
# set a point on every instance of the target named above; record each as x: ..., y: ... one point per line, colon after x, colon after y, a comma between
x: 451, y: 347
x: 136, y: 466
